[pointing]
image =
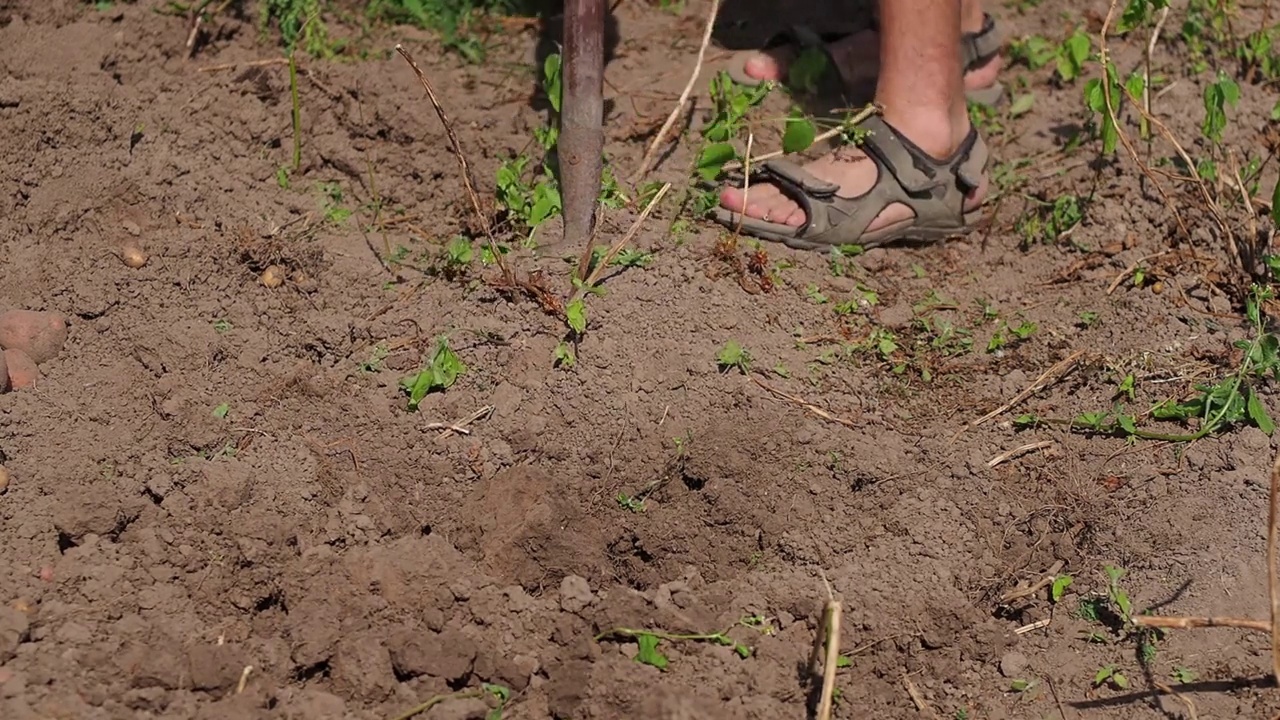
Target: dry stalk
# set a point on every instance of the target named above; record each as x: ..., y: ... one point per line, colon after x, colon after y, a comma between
x: 1186, y: 623
x: 795, y: 400
x: 1103, y: 59
x: 862, y: 114
x: 832, y: 630
x: 1273, y: 577
x: 918, y: 699
x: 684, y: 96
x: 616, y: 248
x: 1186, y: 701
x: 1008, y: 455
x: 467, y: 181
x: 1047, y: 378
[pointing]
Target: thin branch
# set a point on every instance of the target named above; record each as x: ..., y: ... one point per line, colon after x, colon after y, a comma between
x: 1273, y: 578
x: 467, y: 180
x: 684, y: 96
x: 1186, y: 623
x: 616, y: 248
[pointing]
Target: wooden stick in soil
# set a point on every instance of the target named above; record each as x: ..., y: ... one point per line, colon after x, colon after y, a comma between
x: 467, y: 181
x: 832, y: 629
x: 684, y: 97
x: 580, y: 148
x: 1273, y: 577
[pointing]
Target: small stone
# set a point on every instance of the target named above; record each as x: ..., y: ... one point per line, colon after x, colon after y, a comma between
x: 575, y: 594
x: 1013, y: 664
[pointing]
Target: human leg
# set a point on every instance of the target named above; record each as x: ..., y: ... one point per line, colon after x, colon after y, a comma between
x: 921, y: 88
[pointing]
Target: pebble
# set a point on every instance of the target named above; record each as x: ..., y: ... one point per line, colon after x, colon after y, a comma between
x: 1013, y: 664
x: 575, y: 594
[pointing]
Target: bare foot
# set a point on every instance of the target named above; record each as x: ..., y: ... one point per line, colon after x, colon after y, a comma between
x: 856, y: 174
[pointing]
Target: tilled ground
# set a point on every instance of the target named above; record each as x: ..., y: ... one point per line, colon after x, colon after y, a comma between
x: 221, y: 508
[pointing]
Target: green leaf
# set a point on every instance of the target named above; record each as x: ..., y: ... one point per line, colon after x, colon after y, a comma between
x: 441, y: 374
x: 648, y: 653
x: 1104, y: 674
x: 1120, y: 680
x: 799, y: 134
x: 221, y: 411
x: 1275, y: 197
x: 744, y: 651
x: 1022, y: 105
x: 1019, y: 685
x: 804, y: 72
x: 1258, y: 414
x: 576, y: 314
x: 1060, y: 585
x: 843, y: 662
x: 713, y: 158
x: 551, y: 76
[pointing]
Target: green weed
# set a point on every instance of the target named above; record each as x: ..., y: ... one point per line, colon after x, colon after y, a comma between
x: 647, y: 642
x: 1216, y: 408
x: 439, y: 375
x: 733, y: 356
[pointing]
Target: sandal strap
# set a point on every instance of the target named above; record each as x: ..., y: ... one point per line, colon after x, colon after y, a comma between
x: 977, y: 47
x: 933, y: 188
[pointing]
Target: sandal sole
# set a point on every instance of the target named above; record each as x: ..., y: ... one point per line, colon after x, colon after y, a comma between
x: 900, y: 232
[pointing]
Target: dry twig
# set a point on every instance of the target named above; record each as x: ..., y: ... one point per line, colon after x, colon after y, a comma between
x: 684, y: 96
x: 832, y: 630
x: 1046, y: 379
x: 1186, y: 701
x: 1271, y: 626
x: 918, y: 699
x: 467, y: 181
x: 616, y: 248
x: 460, y: 426
x: 804, y: 404
x: 1011, y: 454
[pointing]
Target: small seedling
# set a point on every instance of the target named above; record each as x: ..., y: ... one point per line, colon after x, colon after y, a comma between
x: 1110, y: 674
x: 376, y: 356
x: 222, y: 326
x: 1021, y: 686
x: 221, y: 411
x: 1024, y: 331
x: 458, y: 253
x: 633, y: 258
x: 1059, y: 586
x: 629, y: 503
x: 647, y: 642
x: 443, y: 371
x: 1184, y: 675
x: 331, y: 203
x: 564, y: 355
x: 733, y: 355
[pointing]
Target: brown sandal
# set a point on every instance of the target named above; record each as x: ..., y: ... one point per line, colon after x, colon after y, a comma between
x: 933, y: 188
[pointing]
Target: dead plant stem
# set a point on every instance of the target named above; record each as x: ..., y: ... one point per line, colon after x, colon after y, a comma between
x: 467, y: 180
x: 684, y: 96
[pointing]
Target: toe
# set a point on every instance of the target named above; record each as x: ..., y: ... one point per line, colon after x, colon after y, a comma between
x: 764, y: 66
x: 732, y: 199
